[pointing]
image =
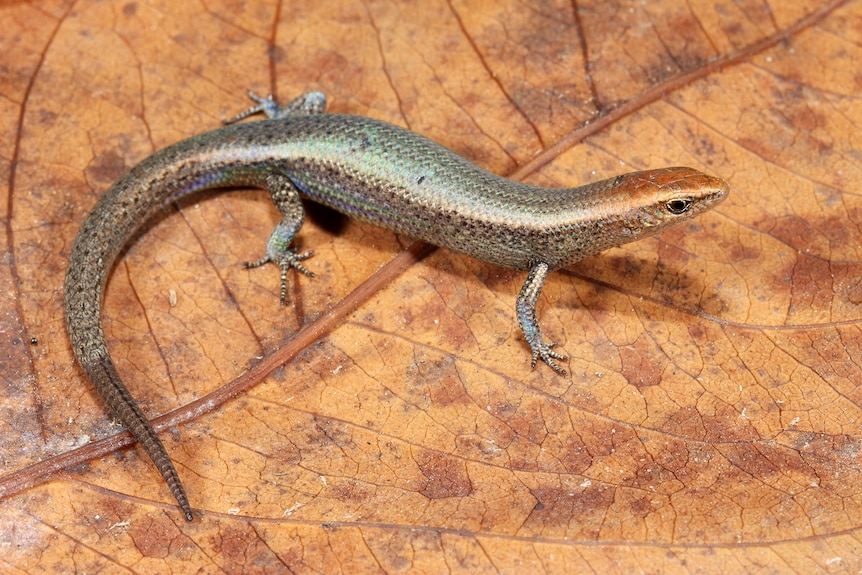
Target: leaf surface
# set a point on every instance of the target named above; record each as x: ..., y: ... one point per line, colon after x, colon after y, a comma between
x: 711, y: 421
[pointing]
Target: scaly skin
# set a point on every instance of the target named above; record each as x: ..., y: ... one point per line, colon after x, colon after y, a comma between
x: 377, y: 173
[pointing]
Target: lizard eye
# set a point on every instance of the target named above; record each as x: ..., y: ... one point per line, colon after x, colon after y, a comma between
x: 679, y: 206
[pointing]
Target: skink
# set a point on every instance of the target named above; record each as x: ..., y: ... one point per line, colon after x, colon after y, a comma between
x: 374, y: 172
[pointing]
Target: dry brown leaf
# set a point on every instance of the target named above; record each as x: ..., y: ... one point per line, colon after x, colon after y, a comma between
x: 712, y: 419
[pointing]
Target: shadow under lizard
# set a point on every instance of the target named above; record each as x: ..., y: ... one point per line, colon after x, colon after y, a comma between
x: 374, y: 172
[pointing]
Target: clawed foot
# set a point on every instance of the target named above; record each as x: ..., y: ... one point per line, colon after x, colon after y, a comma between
x: 285, y: 260
x: 266, y: 105
x: 308, y: 103
x: 543, y: 350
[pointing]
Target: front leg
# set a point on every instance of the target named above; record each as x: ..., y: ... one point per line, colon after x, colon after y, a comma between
x: 308, y: 103
x: 278, y: 251
x: 526, y: 311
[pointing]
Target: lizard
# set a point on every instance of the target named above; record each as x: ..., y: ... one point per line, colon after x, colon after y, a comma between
x: 378, y: 173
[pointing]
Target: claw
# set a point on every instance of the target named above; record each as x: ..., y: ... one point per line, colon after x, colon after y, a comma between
x: 285, y: 261
x: 266, y: 105
x: 543, y: 350
x: 308, y: 103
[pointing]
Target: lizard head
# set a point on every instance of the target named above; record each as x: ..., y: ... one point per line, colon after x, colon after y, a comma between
x: 635, y: 206
x: 657, y: 199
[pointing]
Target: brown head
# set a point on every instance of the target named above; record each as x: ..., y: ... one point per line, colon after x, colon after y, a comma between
x: 638, y: 205
x: 656, y: 199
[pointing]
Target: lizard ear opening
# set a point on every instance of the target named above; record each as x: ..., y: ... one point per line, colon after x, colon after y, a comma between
x: 679, y: 206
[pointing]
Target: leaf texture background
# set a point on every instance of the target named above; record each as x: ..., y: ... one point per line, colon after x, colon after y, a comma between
x: 712, y: 419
